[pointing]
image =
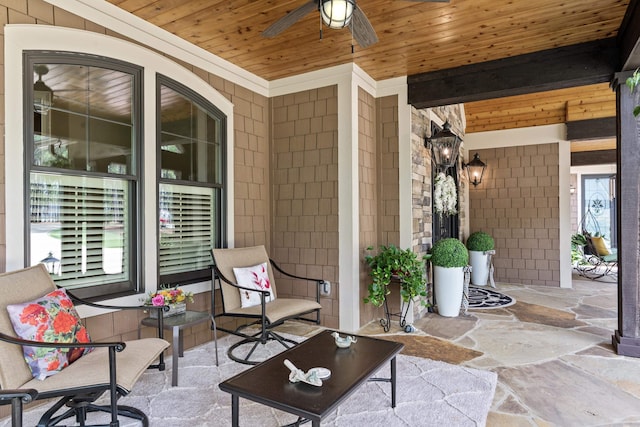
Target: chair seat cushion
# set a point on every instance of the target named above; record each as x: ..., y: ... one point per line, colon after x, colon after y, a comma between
x: 93, y: 368
x: 51, y: 318
x: 281, y: 308
x: 600, y: 246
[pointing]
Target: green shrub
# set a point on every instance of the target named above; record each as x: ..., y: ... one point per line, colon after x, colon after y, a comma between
x: 401, y: 263
x: 480, y: 242
x: 449, y: 253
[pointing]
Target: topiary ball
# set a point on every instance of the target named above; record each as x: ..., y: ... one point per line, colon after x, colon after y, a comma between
x: 480, y: 241
x: 449, y: 253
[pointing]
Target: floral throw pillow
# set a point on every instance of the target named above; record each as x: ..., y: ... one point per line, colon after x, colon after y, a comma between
x: 256, y: 277
x: 52, y: 318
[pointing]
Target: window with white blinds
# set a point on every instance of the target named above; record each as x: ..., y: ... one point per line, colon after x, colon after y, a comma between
x: 84, y: 170
x: 186, y: 228
x: 190, y: 152
x: 85, y: 222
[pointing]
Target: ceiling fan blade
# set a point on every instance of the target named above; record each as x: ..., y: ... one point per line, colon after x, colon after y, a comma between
x: 290, y: 18
x: 362, y: 29
x: 431, y: 1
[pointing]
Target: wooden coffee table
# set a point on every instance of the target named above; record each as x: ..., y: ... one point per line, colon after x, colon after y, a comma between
x: 268, y: 383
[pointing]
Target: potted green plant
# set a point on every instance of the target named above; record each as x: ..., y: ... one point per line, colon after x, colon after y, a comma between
x: 390, y: 262
x: 480, y: 246
x: 448, y: 257
x: 578, y: 243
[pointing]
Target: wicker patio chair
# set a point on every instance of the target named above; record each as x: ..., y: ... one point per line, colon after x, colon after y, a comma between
x: 597, y: 262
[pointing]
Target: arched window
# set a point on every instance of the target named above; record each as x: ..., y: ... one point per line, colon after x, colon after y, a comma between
x: 190, y: 152
x: 84, y: 158
x: 83, y: 136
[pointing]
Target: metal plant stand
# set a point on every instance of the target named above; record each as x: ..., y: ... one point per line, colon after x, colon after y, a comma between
x: 402, y: 315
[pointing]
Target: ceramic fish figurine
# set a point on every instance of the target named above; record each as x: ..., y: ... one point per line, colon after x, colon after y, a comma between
x: 298, y: 375
x: 344, y: 342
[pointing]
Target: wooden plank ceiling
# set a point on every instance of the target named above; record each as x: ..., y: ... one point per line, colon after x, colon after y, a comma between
x: 542, y: 108
x: 415, y: 37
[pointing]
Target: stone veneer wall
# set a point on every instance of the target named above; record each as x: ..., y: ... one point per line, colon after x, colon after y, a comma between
x: 517, y: 203
x: 305, y: 191
x: 422, y: 208
x: 421, y: 185
x: 252, y: 189
x: 421, y: 182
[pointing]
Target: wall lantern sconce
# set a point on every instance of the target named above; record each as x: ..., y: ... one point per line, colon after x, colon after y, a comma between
x: 52, y: 263
x: 475, y: 170
x: 445, y: 146
x: 337, y: 13
x: 42, y: 94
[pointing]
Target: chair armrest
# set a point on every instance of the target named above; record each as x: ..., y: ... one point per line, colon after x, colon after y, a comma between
x: 77, y: 299
x: 25, y: 394
x: 160, y: 326
x: 293, y: 276
x: 119, y: 346
x: 319, y: 282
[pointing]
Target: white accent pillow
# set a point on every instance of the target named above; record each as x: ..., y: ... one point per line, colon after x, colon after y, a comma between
x: 256, y: 277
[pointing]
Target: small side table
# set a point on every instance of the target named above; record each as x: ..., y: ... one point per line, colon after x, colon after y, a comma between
x: 176, y: 324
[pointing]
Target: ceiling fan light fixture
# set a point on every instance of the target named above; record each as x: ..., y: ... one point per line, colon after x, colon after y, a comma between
x: 42, y: 94
x: 337, y: 13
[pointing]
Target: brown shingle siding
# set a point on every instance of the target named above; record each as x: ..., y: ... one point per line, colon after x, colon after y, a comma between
x: 517, y: 203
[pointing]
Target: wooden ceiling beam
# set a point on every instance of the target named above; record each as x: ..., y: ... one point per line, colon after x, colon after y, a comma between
x: 629, y: 37
x: 563, y: 67
x: 580, y: 130
x: 586, y: 158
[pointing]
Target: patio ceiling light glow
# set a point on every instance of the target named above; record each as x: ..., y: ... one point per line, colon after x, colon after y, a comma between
x: 337, y: 13
x: 475, y: 170
x: 445, y: 146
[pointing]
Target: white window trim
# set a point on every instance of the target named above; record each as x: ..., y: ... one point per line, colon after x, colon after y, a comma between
x: 41, y: 37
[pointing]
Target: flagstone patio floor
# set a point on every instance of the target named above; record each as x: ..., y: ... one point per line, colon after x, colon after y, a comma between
x: 551, y: 350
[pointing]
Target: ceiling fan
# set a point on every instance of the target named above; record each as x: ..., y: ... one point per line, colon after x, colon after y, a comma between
x: 335, y: 14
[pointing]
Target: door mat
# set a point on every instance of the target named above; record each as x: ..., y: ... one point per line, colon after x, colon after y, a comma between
x: 481, y: 298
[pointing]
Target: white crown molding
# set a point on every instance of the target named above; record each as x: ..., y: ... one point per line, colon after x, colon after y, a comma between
x: 311, y: 80
x: 129, y: 25
x: 516, y: 137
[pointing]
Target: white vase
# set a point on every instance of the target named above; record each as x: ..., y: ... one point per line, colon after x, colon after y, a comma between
x: 449, y: 283
x: 479, y: 268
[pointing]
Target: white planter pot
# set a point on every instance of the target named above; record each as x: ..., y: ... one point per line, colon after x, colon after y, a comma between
x: 449, y: 283
x: 479, y: 268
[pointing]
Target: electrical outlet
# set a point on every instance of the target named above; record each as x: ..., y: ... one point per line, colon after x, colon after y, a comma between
x: 325, y: 288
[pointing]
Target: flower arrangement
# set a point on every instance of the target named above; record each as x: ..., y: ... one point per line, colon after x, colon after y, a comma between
x: 445, y: 196
x: 167, y: 296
